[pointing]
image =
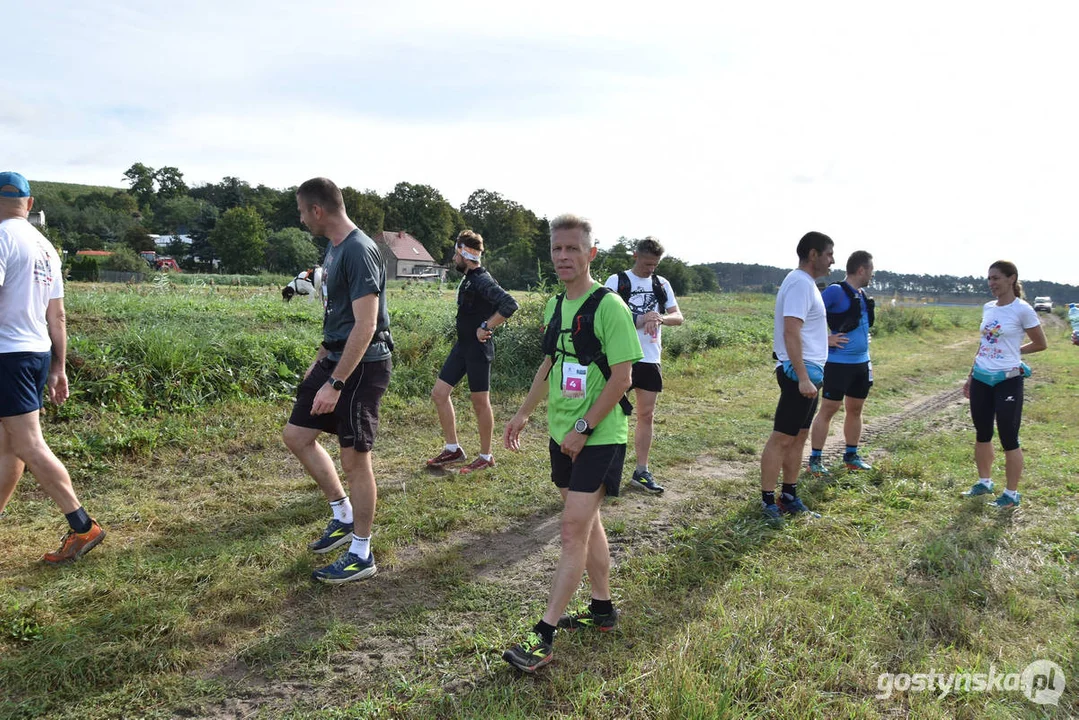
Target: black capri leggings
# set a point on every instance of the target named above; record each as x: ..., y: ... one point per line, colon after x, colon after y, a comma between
x: 1003, y: 401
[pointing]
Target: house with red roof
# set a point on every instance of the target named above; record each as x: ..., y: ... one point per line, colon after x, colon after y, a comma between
x: 406, y: 258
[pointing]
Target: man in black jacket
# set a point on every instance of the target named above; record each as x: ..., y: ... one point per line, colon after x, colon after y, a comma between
x: 482, y: 305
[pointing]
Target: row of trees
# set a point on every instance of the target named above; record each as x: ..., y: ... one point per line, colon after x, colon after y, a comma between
x: 239, y: 228
x: 766, y: 278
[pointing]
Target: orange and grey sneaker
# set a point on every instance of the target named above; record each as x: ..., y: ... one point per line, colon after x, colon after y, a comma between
x: 74, y: 545
x: 478, y: 464
x: 448, y: 457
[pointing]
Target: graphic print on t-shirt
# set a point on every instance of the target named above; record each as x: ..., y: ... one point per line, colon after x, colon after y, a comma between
x: 991, y: 332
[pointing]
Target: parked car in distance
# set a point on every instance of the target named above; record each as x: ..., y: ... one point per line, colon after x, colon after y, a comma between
x: 1043, y: 304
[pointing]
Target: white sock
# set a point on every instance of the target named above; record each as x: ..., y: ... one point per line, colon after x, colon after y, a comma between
x: 488, y: 457
x: 342, y: 510
x: 361, y: 547
x: 452, y: 448
x: 986, y: 481
x: 1013, y: 494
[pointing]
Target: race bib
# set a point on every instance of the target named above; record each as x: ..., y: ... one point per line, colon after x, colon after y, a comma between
x: 574, y: 379
x: 870, y: 371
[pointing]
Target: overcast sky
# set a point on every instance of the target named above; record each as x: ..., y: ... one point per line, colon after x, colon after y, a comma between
x: 940, y: 136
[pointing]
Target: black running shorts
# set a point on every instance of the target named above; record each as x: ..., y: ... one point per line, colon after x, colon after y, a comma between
x: 851, y: 379
x: 596, y: 465
x: 469, y: 360
x: 647, y: 376
x: 794, y: 412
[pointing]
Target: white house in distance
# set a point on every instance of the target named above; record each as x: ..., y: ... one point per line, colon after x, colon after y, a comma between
x: 406, y: 258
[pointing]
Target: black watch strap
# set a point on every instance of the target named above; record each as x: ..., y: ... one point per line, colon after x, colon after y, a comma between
x: 336, y: 384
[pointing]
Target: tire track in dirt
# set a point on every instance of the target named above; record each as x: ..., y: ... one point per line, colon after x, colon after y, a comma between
x: 521, y: 556
x: 923, y: 407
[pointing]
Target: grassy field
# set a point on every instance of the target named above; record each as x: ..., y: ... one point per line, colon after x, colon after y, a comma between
x: 199, y: 603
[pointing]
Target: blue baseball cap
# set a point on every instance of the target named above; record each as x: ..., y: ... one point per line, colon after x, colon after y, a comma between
x: 22, y: 188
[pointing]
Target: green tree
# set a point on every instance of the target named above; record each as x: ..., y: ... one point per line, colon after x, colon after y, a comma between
x: 511, y: 233
x: 179, y: 215
x: 170, y: 183
x: 365, y: 209
x: 705, y: 278
x: 239, y: 240
x: 285, y: 214
x: 138, y: 239
x: 421, y: 211
x: 289, y: 251
x: 229, y: 193
x: 124, y: 259
x: 682, y: 279
x: 141, y: 178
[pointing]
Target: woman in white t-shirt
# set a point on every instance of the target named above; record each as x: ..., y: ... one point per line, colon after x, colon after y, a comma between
x: 995, y: 383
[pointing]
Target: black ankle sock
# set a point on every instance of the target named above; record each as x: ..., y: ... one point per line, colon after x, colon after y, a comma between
x: 790, y: 490
x: 78, y: 520
x: 768, y: 497
x: 545, y: 631
x: 601, y: 607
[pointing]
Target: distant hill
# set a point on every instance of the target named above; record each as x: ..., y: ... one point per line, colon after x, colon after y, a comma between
x: 740, y: 277
x: 72, y: 190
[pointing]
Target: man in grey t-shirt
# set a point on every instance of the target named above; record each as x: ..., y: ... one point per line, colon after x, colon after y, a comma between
x: 342, y: 390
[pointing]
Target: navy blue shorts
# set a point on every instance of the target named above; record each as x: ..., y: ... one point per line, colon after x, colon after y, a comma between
x: 355, y: 419
x: 22, y: 382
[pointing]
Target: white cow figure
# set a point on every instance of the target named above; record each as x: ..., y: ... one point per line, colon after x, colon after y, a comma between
x: 308, y: 282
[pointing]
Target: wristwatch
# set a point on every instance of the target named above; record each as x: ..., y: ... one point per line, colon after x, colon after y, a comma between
x: 583, y: 427
x: 336, y: 384
x: 484, y: 325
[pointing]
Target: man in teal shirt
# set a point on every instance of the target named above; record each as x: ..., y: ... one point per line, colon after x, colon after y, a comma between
x: 588, y: 432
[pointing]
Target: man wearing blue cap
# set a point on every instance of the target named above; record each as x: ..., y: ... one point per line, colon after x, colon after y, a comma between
x: 33, y: 349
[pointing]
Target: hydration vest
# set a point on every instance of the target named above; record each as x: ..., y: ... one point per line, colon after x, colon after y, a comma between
x: 582, y: 332
x: 625, y: 288
x: 851, y: 318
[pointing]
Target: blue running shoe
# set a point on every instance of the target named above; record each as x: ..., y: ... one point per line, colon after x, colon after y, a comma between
x: 855, y: 463
x: 1005, y: 503
x: 979, y: 488
x: 817, y: 469
x: 337, y: 534
x: 795, y: 507
x: 771, y: 513
x: 346, y: 568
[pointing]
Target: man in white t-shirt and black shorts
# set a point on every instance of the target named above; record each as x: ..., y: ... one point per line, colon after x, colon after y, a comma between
x: 800, y: 345
x: 33, y: 349
x: 651, y: 300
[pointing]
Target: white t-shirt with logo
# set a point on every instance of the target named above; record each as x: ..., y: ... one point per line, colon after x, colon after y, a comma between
x: 641, y: 300
x: 799, y: 297
x: 1003, y: 328
x: 29, y: 278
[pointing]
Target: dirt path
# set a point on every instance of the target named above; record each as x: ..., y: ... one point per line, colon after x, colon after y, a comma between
x: 871, y: 430
x: 520, y: 558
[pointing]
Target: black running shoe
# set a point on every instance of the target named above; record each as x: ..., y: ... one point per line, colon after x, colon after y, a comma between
x: 587, y: 619
x: 529, y: 655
